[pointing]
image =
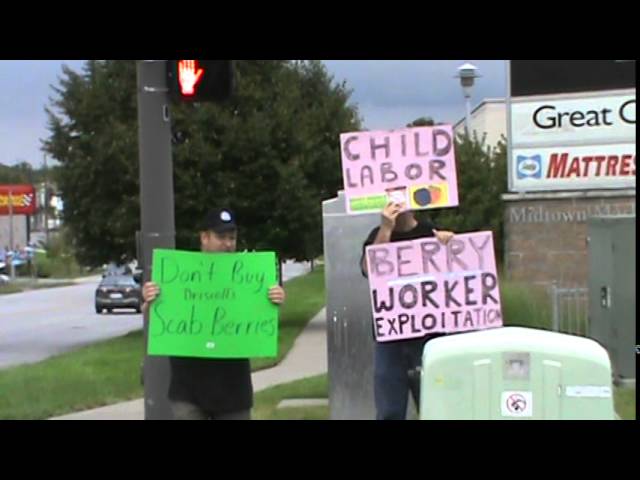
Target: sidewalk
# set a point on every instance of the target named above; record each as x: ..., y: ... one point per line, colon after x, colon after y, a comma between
x: 307, y: 358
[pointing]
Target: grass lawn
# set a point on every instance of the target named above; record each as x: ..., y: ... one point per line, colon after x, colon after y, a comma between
x: 305, y: 298
x: 318, y: 387
x: 22, y: 287
x: 100, y: 374
x: 267, y: 400
x: 109, y: 372
x: 9, y: 288
x: 625, y: 401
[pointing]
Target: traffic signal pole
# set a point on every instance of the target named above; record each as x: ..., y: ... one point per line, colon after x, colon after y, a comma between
x: 156, y: 210
x: 190, y: 80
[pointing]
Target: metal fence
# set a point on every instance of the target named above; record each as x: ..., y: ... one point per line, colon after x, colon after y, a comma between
x: 570, y: 310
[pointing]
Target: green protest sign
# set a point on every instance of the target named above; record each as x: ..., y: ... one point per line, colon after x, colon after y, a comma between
x: 213, y: 305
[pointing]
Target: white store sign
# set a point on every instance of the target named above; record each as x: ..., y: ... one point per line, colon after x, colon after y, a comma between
x: 577, y: 141
x: 583, y: 120
x: 575, y: 168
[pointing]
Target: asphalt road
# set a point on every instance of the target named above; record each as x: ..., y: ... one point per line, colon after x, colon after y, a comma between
x: 38, y: 324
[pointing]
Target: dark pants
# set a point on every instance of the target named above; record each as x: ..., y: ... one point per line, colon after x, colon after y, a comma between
x: 392, y: 365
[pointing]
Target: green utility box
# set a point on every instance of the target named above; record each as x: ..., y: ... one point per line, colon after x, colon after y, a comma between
x: 513, y: 373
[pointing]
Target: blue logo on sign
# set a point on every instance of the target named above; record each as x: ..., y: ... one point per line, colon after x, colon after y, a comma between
x: 529, y: 166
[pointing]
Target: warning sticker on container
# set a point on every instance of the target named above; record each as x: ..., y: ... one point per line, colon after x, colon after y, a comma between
x: 517, y: 404
x: 589, y: 391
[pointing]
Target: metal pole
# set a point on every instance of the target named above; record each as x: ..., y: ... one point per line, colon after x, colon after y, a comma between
x: 28, y: 227
x: 12, y: 268
x: 46, y: 201
x: 509, y: 132
x: 468, y: 116
x: 156, y: 209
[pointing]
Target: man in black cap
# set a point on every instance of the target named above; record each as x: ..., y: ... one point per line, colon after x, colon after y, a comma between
x: 203, y: 388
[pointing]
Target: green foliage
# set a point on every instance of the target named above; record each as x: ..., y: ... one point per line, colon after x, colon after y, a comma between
x: 24, y: 172
x: 16, y: 174
x: 422, y: 122
x: 271, y: 153
x: 94, y: 137
x: 59, y: 261
x: 63, y: 266
x: 524, y: 305
x: 482, y: 179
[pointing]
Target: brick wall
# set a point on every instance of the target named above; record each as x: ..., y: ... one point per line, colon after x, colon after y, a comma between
x: 546, y: 238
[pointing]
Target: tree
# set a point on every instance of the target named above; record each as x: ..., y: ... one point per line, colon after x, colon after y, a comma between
x: 422, y: 122
x: 271, y: 153
x: 94, y: 138
x: 23, y: 172
x: 482, y: 179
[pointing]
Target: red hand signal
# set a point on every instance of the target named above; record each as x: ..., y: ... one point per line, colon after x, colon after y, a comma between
x: 189, y: 76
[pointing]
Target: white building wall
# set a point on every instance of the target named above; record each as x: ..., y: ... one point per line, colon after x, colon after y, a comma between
x: 490, y: 118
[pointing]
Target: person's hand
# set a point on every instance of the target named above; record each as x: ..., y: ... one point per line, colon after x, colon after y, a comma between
x: 443, y: 236
x: 188, y: 75
x: 150, y: 291
x: 277, y: 295
x: 390, y: 214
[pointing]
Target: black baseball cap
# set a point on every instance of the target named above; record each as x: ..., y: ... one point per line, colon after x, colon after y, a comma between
x: 219, y: 220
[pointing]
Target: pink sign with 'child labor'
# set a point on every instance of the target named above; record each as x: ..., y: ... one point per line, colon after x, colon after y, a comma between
x: 415, y: 166
x: 422, y: 286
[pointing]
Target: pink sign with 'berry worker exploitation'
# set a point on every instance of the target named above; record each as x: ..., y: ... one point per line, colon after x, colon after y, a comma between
x: 422, y: 286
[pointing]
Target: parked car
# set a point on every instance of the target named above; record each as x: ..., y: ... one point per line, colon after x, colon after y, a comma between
x: 118, y: 291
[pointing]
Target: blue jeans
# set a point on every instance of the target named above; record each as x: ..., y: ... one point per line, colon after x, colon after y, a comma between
x: 392, y: 384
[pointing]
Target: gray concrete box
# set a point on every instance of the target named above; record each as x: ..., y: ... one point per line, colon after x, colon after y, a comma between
x: 349, y: 325
x: 612, y: 290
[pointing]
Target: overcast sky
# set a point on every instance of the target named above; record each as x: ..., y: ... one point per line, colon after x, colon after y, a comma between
x: 389, y: 94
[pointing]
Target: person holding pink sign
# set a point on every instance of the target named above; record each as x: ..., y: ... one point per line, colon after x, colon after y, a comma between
x: 393, y: 361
